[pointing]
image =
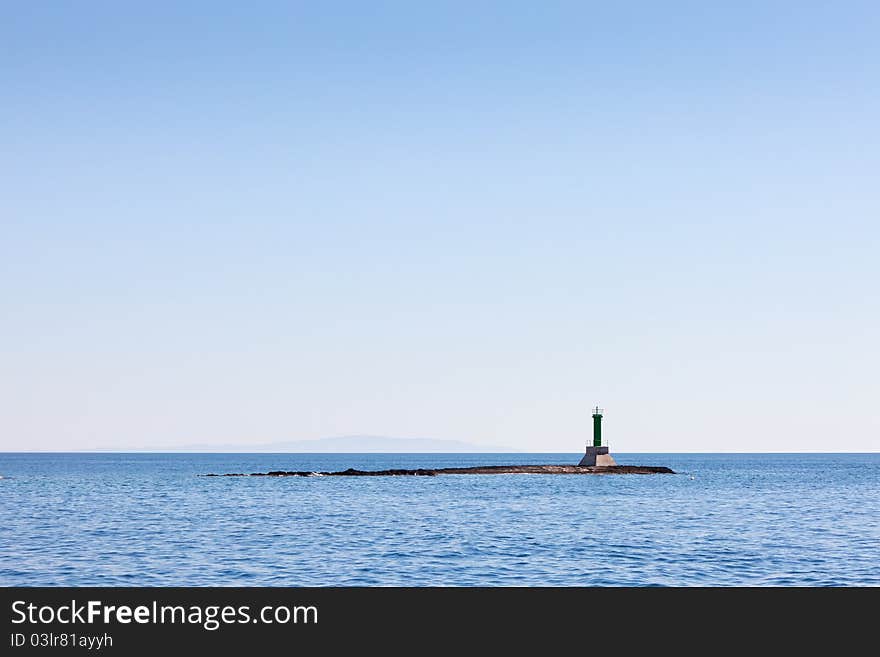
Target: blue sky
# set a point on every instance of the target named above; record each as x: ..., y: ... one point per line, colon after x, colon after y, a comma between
x: 249, y: 222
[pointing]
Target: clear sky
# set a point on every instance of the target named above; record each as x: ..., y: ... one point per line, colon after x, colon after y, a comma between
x: 248, y: 222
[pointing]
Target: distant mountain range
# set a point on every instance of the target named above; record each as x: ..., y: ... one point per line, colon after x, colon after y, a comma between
x: 342, y: 444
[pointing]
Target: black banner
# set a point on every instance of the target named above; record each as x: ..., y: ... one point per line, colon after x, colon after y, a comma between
x: 129, y: 621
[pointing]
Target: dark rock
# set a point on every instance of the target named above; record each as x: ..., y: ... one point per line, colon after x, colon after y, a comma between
x: 480, y: 469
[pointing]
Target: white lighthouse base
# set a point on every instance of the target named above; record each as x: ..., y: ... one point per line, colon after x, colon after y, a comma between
x: 597, y: 456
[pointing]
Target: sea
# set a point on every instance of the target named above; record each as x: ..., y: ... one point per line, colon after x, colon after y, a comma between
x: 136, y: 519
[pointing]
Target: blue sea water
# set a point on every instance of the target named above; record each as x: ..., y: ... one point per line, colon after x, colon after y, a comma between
x: 725, y: 519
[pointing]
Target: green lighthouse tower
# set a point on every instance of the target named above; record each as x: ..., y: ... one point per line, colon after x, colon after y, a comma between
x: 597, y: 427
x: 595, y: 454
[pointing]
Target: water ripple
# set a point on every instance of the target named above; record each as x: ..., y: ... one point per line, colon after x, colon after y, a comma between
x: 146, y: 519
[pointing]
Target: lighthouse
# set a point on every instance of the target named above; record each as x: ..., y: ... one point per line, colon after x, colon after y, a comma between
x: 597, y: 454
x: 597, y: 427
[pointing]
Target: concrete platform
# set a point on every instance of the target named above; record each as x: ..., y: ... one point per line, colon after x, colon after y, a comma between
x: 597, y: 456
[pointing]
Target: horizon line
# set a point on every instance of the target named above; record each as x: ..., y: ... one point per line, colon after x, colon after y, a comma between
x: 102, y: 451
